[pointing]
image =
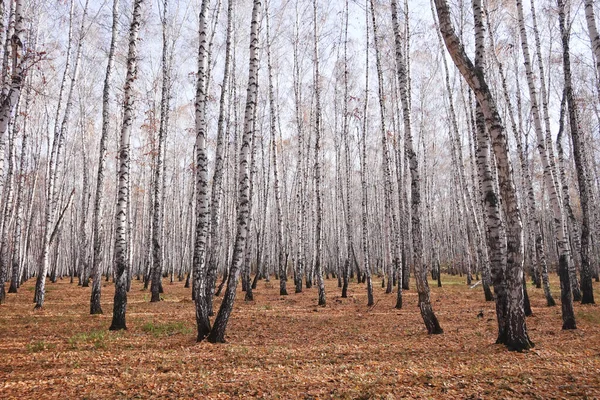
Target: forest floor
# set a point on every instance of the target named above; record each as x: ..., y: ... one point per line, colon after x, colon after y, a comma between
x: 287, y: 347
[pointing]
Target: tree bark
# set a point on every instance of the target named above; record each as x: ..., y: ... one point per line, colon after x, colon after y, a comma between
x: 594, y: 37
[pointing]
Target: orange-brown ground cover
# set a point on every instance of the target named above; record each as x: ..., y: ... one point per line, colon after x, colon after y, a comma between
x: 287, y: 347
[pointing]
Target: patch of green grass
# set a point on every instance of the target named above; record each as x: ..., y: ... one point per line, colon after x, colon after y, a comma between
x: 98, y: 338
x: 38, y: 346
x: 166, y: 329
x: 591, y: 317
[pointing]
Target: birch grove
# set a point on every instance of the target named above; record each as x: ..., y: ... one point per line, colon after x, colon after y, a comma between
x: 359, y: 145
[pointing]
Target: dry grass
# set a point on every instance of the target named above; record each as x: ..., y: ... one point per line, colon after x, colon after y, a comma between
x: 287, y: 347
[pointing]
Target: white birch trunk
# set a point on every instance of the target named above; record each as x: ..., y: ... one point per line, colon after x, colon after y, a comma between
x: 98, y: 217
x: 122, y: 232
x: 217, y: 334
x: 318, y: 198
x: 429, y: 318
x: 281, y: 256
x: 217, y: 181
x: 159, y: 173
x: 363, y: 172
x: 508, y: 270
x: 202, y: 211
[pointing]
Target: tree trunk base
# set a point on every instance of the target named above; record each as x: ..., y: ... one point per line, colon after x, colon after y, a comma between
x: 117, y: 326
x: 489, y: 296
x: 155, y: 298
x: 587, y: 291
x: 398, y: 303
x: 203, y: 330
x: 569, y: 324
x: 96, y: 310
x: 526, y: 303
x: 431, y: 321
x: 518, y: 344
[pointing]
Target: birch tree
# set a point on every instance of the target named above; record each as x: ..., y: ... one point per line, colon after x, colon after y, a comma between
x: 577, y: 140
x: 387, y: 167
x: 217, y: 181
x: 8, y: 103
x: 199, y: 266
x: 507, y: 269
x: 363, y: 170
x: 281, y: 252
x: 17, y: 260
x: 52, y: 223
x: 550, y: 180
x: 157, y: 223
x: 590, y: 19
x: 217, y: 333
x: 318, y: 133
x: 98, y: 231
x: 431, y: 322
x: 122, y: 267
